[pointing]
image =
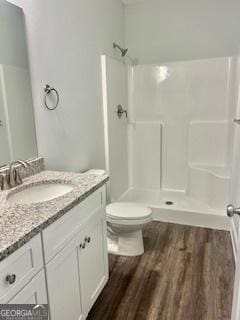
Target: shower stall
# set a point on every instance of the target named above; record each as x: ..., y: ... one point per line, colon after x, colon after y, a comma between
x: 173, y: 151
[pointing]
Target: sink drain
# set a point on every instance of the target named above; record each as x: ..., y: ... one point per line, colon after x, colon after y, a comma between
x: 169, y: 203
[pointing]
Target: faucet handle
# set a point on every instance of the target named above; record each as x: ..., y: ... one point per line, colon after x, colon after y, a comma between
x: 15, y: 178
x: 4, y: 181
x: 1, y: 181
x: 12, y: 177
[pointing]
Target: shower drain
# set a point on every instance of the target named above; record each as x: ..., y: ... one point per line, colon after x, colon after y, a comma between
x: 169, y: 203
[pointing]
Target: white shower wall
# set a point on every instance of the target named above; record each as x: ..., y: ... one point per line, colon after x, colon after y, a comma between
x: 180, y: 136
x: 179, y: 119
x: 115, y: 92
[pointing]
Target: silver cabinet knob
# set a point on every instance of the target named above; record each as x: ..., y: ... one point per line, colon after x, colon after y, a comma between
x: 231, y: 210
x: 11, y: 278
x: 82, y: 245
x: 87, y: 239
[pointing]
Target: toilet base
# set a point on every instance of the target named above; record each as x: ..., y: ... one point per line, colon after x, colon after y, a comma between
x: 126, y: 244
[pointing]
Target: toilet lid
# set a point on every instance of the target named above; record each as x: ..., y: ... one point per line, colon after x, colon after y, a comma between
x: 127, y: 211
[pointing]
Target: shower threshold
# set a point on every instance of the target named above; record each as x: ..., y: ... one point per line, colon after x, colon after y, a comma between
x: 177, y: 207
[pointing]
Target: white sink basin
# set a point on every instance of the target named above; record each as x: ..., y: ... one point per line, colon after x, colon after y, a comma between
x: 39, y: 193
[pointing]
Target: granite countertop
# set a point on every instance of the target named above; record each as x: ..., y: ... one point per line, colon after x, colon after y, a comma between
x: 21, y: 222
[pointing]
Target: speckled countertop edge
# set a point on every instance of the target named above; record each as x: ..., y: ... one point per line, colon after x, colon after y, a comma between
x: 19, y: 223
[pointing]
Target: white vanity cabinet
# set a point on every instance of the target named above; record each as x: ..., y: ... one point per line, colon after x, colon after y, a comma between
x: 77, y: 273
x: 65, y: 265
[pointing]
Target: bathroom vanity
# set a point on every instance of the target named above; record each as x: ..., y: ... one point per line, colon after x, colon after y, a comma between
x: 55, y: 251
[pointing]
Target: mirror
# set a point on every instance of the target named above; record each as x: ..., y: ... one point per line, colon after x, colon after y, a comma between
x: 17, y: 126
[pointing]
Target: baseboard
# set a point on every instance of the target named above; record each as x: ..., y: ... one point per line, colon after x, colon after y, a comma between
x: 196, y: 219
x: 234, y: 239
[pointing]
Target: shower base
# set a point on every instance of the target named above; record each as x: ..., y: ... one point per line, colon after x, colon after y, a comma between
x: 177, y: 207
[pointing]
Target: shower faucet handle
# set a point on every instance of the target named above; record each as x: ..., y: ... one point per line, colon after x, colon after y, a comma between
x: 120, y: 111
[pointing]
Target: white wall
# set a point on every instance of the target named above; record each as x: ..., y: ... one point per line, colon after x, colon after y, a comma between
x: 66, y: 39
x: 160, y: 31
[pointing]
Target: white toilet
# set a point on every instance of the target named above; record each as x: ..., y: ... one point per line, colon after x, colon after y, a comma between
x: 125, y: 221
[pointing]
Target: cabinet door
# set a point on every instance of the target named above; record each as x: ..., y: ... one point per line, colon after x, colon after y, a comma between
x: 93, y: 264
x: 33, y: 293
x: 63, y: 285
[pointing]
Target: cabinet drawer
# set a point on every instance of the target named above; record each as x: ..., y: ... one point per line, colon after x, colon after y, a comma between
x: 57, y: 235
x: 21, y: 266
x: 33, y: 293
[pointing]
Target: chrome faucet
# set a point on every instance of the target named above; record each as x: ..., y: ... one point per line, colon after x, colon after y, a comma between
x: 14, y: 178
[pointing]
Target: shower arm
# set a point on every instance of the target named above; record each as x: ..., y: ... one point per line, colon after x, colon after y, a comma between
x: 123, y: 51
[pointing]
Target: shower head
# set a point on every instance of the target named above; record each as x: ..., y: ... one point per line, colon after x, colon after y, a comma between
x: 123, y: 51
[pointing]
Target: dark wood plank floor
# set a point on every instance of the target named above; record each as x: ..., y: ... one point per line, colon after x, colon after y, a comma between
x: 186, y: 273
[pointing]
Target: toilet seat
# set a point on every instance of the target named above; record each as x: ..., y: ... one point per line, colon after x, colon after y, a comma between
x: 128, y: 212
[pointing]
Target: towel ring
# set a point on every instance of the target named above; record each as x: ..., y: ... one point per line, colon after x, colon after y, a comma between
x: 48, y: 89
